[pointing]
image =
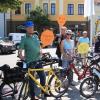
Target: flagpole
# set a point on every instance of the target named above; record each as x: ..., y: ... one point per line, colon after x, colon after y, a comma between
x: 89, y: 12
x: 91, y: 30
x: 91, y: 23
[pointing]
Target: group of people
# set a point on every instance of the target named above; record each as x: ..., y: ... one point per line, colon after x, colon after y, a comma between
x: 65, y: 52
x: 66, y: 49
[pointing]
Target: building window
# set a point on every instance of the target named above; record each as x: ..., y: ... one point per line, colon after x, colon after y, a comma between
x: 70, y: 9
x: 53, y: 9
x: 80, y: 9
x: 45, y: 8
x: 18, y: 11
x: 28, y: 8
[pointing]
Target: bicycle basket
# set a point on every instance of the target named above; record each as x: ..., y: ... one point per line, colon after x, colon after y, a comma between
x: 13, y: 75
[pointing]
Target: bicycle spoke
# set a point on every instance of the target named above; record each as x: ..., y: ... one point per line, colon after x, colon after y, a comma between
x: 57, y: 86
x: 88, y: 87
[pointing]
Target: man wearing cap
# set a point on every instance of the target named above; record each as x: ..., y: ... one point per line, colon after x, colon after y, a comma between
x: 31, y: 45
x: 83, y: 39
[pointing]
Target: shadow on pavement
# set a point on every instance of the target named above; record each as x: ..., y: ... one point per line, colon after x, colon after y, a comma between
x: 74, y: 94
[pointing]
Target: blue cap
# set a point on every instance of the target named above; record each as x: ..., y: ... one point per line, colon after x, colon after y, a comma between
x: 28, y: 24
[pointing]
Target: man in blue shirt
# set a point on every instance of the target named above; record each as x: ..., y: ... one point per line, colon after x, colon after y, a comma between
x: 84, y: 38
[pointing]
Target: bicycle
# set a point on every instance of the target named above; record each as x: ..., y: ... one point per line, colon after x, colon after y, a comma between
x: 11, y: 82
x: 90, y: 85
x: 85, y: 70
x: 53, y: 85
x: 53, y: 81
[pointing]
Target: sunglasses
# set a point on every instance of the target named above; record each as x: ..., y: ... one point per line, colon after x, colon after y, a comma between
x: 69, y: 34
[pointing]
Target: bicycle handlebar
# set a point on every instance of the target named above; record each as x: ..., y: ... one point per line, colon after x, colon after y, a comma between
x: 43, y: 62
x: 46, y: 59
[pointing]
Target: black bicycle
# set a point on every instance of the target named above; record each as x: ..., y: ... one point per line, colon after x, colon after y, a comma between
x: 11, y: 82
x: 90, y: 85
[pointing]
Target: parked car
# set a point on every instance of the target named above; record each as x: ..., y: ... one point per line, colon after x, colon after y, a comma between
x: 16, y: 38
x: 6, y: 46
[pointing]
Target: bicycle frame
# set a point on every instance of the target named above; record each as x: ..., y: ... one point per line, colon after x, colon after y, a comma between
x: 80, y: 76
x: 51, y: 72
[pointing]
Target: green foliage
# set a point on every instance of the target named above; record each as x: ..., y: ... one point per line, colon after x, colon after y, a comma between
x: 6, y: 4
x: 39, y: 18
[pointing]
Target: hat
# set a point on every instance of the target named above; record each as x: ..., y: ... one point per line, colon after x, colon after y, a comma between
x: 28, y: 24
x: 84, y: 32
x: 69, y: 32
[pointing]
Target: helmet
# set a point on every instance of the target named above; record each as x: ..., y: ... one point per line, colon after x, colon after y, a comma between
x: 28, y: 24
x: 69, y: 32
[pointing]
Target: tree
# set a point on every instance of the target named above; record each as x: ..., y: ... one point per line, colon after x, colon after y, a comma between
x: 39, y: 18
x: 6, y: 4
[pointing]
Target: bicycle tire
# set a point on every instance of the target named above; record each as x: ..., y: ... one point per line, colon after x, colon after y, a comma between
x: 7, y: 91
x: 91, y: 83
x: 24, y: 92
x: 55, y: 92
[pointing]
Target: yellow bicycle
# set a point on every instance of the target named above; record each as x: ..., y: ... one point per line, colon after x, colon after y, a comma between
x: 55, y: 83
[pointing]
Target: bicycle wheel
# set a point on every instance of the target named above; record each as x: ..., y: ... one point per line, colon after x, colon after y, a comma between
x: 8, y: 91
x: 88, y: 87
x: 57, y: 86
x: 24, y: 92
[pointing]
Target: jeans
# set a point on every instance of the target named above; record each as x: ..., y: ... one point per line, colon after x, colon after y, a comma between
x: 42, y: 77
x: 65, y: 65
